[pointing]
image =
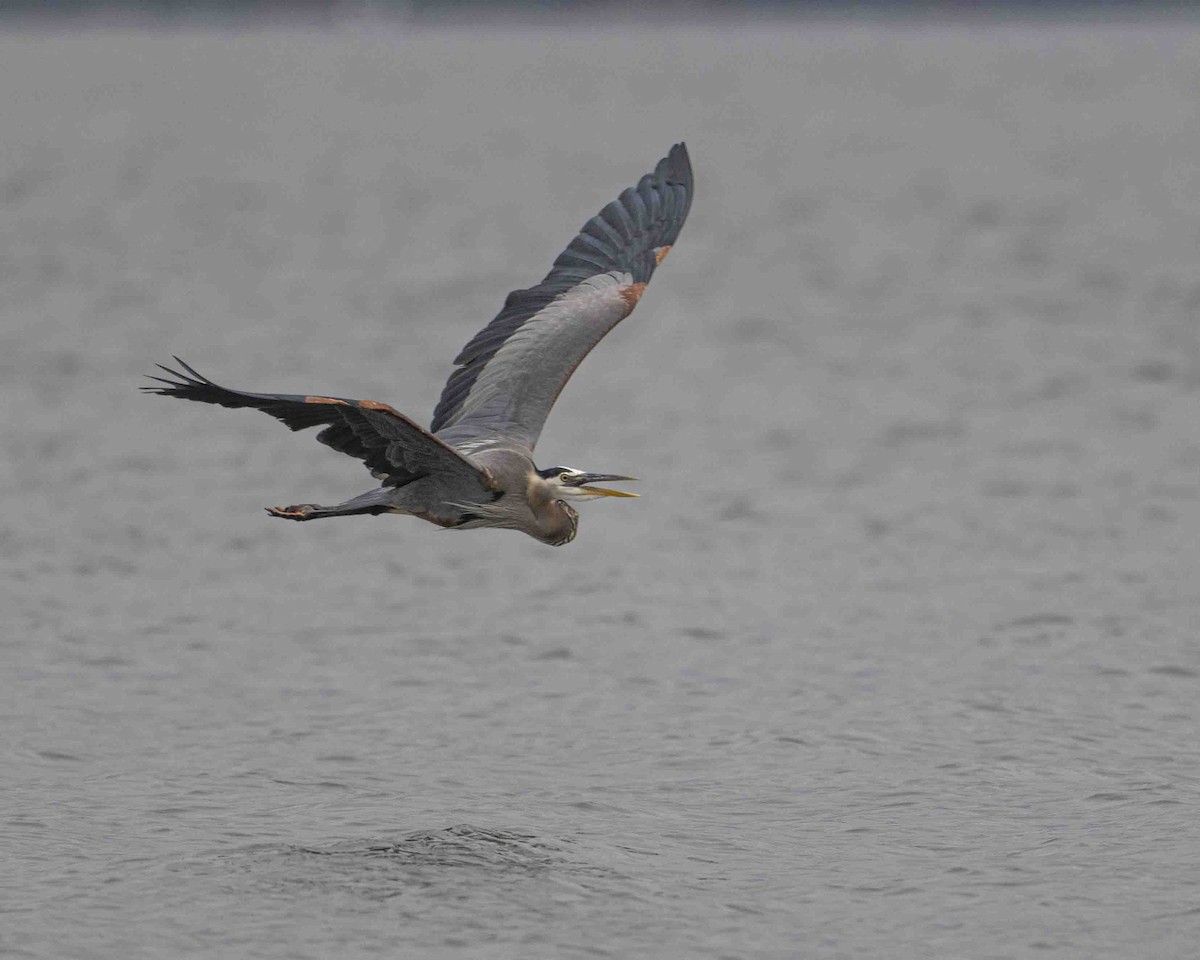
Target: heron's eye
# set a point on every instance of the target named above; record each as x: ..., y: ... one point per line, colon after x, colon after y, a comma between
x: 564, y: 477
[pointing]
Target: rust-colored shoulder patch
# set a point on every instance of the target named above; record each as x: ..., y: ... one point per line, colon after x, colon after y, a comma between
x: 661, y: 252
x: 377, y: 405
x: 326, y: 400
x: 632, y: 294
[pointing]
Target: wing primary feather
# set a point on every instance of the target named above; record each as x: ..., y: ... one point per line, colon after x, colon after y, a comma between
x: 618, y: 246
x: 395, y: 450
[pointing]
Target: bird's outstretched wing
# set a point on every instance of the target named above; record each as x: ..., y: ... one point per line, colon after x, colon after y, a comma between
x: 510, y: 374
x: 395, y: 450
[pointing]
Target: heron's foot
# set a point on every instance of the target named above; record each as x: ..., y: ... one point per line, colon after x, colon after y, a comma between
x: 303, y: 511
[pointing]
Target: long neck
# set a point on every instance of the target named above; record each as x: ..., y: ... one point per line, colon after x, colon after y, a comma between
x: 557, y: 522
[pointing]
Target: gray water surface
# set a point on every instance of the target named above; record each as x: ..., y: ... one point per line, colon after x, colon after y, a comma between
x: 895, y: 657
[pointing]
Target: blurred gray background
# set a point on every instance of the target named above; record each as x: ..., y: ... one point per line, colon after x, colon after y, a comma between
x: 895, y: 657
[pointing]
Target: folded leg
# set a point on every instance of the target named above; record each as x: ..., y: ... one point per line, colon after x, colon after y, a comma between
x: 373, y: 503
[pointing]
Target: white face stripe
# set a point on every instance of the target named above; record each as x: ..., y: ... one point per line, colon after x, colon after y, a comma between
x: 564, y: 491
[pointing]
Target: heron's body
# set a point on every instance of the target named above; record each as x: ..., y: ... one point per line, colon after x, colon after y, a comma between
x: 474, y: 467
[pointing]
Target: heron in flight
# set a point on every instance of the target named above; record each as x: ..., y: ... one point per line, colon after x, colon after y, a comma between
x: 474, y: 466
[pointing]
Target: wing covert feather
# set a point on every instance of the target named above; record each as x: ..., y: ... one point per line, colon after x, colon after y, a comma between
x: 507, y: 378
x: 396, y: 450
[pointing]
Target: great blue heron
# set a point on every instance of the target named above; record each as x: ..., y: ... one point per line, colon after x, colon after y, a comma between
x: 474, y: 466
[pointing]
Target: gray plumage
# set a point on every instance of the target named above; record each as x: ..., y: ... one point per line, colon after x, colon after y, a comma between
x: 474, y: 467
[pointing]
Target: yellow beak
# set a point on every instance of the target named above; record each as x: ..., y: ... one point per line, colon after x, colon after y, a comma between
x: 603, y: 492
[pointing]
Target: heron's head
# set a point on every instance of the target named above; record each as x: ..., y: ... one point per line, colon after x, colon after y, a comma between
x: 567, y: 483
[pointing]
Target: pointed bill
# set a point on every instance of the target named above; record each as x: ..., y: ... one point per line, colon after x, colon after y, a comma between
x: 589, y: 478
